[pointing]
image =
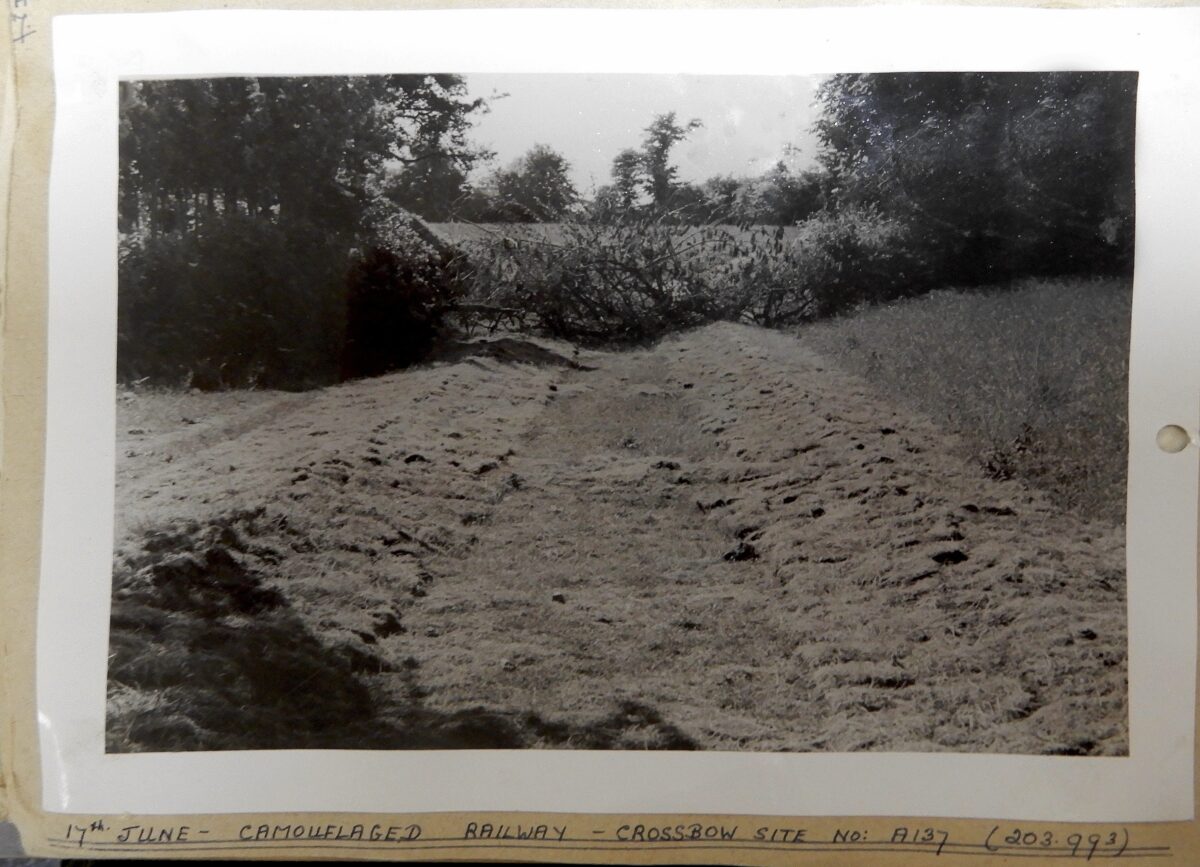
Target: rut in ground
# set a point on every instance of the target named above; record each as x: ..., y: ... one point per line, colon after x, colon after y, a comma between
x: 728, y: 531
x: 719, y: 542
x: 597, y: 578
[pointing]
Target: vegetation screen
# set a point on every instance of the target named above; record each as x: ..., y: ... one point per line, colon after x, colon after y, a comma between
x: 735, y: 413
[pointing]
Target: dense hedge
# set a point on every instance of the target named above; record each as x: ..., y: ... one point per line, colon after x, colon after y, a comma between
x: 645, y: 277
x: 395, y: 305
x: 240, y: 301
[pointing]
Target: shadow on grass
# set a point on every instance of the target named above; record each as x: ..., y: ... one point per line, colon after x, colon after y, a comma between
x: 205, y: 656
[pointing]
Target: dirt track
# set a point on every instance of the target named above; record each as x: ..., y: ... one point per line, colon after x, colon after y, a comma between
x: 717, y: 543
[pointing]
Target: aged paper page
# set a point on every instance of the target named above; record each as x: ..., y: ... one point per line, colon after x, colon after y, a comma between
x: 544, y: 448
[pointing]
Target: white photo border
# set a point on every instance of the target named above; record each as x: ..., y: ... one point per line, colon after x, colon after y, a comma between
x: 92, y: 53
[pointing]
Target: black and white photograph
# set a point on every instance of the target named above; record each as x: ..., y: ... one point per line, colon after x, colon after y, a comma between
x: 575, y: 411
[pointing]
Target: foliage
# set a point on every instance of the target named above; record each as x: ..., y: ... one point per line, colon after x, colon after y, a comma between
x: 245, y: 203
x: 288, y: 150
x: 603, y: 283
x: 782, y: 197
x: 268, y: 236
x: 395, y: 307
x: 238, y: 301
x: 661, y: 136
x: 644, y: 180
x: 1003, y: 174
x: 432, y: 186
x: 537, y: 187
x: 1033, y: 378
x: 830, y: 263
x: 647, y: 275
x: 399, y: 231
x: 253, y: 305
x: 628, y: 171
x: 855, y: 256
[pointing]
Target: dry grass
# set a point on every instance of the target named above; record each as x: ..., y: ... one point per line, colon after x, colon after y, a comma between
x: 720, y: 542
x: 1034, y: 379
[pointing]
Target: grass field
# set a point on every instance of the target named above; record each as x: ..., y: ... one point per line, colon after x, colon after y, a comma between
x: 1034, y: 380
x: 721, y: 541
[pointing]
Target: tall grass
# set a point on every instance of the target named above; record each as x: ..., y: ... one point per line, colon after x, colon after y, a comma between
x: 1034, y: 378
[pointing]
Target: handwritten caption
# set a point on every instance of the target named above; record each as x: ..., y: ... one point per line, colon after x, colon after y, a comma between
x: 1001, y: 840
x: 18, y: 17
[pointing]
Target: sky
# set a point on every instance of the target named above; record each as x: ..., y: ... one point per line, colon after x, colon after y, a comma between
x: 750, y: 122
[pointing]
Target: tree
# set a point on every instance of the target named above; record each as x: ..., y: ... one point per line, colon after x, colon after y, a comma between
x: 431, y: 185
x: 778, y: 197
x: 661, y: 136
x: 721, y: 197
x: 629, y: 177
x: 645, y: 177
x: 284, y: 149
x: 1003, y: 172
x: 783, y: 197
x: 537, y: 187
x: 243, y: 204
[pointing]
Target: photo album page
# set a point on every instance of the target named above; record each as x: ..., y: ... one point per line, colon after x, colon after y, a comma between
x: 658, y: 435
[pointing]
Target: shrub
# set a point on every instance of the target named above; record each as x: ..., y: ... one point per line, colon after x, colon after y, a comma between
x: 395, y: 308
x: 236, y: 301
x: 242, y: 301
x: 855, y: 256
x: 637, y: 279
x: 398, y: 292
x: 618, y: 283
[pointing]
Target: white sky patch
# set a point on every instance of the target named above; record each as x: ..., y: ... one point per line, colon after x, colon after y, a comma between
x: 750, y: 121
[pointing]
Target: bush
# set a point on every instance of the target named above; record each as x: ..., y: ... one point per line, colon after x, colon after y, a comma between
x: 603, y: 283
x: 234, y: 302
x: 855, y: 256
x: 243, y: 302
x: 832, y: 262
x: 395, y: 307
x: 641, y: 278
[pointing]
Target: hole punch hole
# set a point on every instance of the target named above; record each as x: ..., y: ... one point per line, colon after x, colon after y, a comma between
x: 1173, y: 439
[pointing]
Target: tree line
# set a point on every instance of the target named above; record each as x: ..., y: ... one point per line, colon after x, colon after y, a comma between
x: 991, y: 164
x: 537, y: 188
x: 266, y: 235
x: 1003, y: 174
x: 257, y: 243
